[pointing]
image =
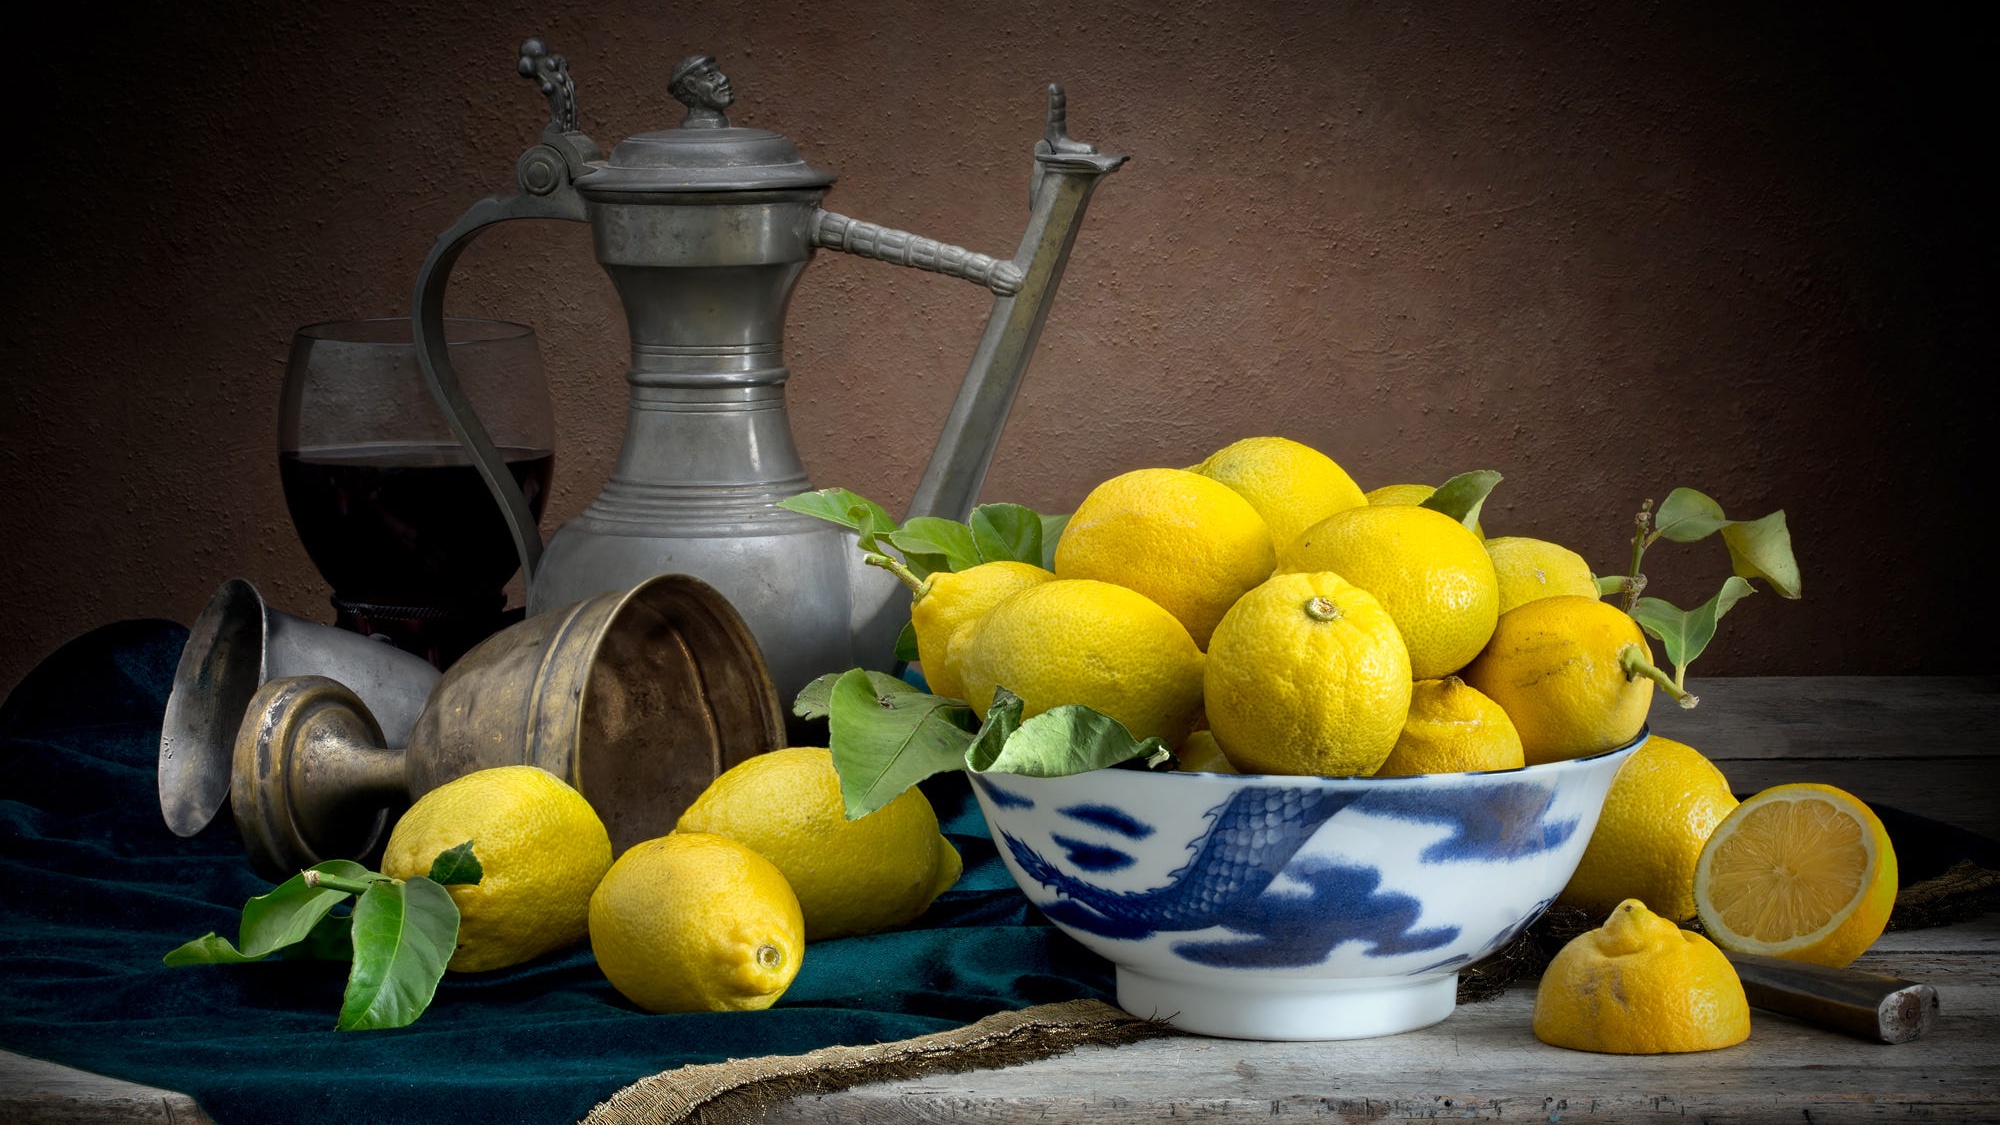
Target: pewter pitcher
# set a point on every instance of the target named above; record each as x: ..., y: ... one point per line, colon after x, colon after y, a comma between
x: 704, y: 230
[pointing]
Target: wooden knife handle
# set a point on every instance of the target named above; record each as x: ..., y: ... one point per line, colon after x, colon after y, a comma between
x: 1865, y: 1005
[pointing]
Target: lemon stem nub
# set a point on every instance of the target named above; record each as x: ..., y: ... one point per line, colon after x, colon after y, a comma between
x: 1632, y: 658
x: 1322, y: 609
x: 770, y: 956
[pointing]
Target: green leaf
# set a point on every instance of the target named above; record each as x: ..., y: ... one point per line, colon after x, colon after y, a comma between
x: 1059, y: 742
x: 1052, y: 529
x: 1763, y: 549
x: 404, y: 934
x: 906, y: 643
x: 457, y: 865
x: 812, y: 699
x: 1686, y: 516
x: 1462, y: 496
x: 886, y: 736
x: 331, y: 940
x: 272, y: 921
x: 934, y: 538
x: 1007, y: 533
x: 837, y: 505
x: 1685, y: 633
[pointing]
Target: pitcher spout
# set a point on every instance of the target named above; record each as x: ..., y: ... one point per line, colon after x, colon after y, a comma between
x: 1066, y: 171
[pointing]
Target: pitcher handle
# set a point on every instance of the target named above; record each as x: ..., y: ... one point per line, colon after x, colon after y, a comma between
x: 544, y: 176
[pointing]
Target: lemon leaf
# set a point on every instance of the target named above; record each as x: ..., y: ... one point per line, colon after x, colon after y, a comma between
x: 282, y: 917
x: 1059, y: 742
x: 1462, y: 496
x: 457, y: 865
x: 1685, y: 633
x: 906, y: 642
x: 1686, y: 515
x: 941, y: 544
x: 838, y: 505
x: 886, y: 736
x: 811, y: 702
x: 1007, y: 533
x: 403, y: 934
x: 1762, y: 548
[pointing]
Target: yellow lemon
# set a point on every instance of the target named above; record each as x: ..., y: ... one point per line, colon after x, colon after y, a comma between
x: 541, y: 849
x: 1411, y: 494
x: 1293, y: 486
x: 1201, y: 753
x: 691, y: 922
x: 1307, y: 675
x: 1425, y: 568
x: 1799, y: 871
x: 1452, y: 728
x: 1189, y: 543
x: 1075, y: 640
x: 1662, y: 807
x: 1536, y: 568
x: 953, y: 600
x: 1553, y: 666
x: 851, y: 876
x: 1640, y: 985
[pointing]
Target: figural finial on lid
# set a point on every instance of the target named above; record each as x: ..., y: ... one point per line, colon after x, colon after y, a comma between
x: 700, y: 85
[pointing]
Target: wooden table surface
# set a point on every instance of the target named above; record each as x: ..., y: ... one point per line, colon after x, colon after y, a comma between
x: 1928, y: 745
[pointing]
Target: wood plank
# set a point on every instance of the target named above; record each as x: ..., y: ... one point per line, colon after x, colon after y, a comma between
x: 37, y: 1092
x: 1484, y: 1062
x: 1866, y: 718
x: 1926, y: 745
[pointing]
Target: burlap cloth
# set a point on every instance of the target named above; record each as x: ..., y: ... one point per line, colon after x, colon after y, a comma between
x: 739, y: 1090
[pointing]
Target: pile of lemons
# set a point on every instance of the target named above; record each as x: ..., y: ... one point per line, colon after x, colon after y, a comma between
x: 1263, y: 614
x: 714, y: 916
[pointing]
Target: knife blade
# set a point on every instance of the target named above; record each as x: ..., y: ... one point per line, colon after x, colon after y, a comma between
x: 1865, y: 1005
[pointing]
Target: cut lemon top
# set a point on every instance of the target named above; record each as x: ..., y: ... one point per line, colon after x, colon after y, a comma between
x: 1800, y: 871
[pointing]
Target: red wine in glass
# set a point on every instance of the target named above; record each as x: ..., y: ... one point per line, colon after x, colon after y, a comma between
x: 386, y: 502
x: 410, y: 538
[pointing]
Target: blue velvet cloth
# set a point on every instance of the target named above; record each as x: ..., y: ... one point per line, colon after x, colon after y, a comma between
x: 94, y: 890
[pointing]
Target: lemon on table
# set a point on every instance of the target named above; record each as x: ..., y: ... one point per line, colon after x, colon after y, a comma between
x: 1425, y: 568
x: 1292, y: 485
x: 1411, y: 494
x: 953, y: 600
x: 850, y: 876
x: 1536, y: 568
x: 1452, y: 728
x: 1640, y: 985
x: 1553, y: 666
x: 1800, y: 871
x: 690, y: 922
x: 541, y: 849
x: 1188, y: 542
x: 1307, y: 674
x: 1093, y: 643
x: 1662, y: 807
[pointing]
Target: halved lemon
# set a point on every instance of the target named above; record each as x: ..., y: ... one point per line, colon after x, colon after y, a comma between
x: 1799, y: 871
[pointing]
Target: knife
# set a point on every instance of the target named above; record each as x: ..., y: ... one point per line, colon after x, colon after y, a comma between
x: 1865, y: 1005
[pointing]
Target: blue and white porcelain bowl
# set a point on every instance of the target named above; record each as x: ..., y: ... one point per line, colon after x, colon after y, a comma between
x: 1266, y: 907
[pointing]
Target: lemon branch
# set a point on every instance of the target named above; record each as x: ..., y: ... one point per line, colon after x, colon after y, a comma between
x: 918, y: 586
x: 1632, y: 658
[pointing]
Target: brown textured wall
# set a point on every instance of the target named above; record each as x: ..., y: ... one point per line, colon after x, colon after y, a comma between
x: 1605, y: 249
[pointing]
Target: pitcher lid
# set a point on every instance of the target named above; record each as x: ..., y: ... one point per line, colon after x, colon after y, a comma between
x: 706, y: 153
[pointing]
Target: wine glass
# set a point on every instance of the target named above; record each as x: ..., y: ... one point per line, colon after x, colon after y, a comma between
x: 388, y: 505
